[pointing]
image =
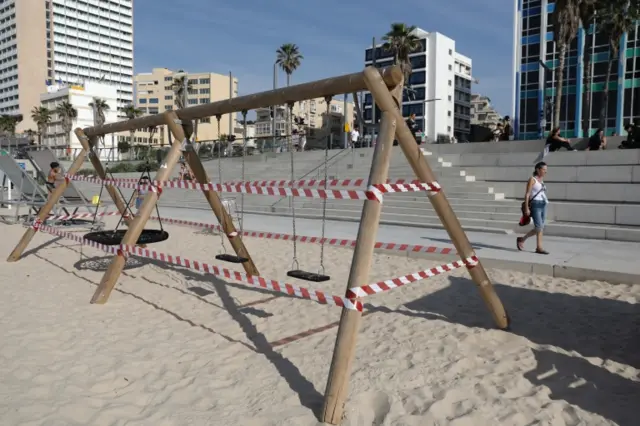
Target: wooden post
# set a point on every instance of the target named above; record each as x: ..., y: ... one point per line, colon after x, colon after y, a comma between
x: 439, y: 201
x: 344, y: 351
x: 52, y: 200
x: 89, y: 146
x: 213, y: 198
x: 135, y: 228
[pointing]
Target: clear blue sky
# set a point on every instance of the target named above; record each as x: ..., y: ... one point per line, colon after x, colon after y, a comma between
x: 215, y: 36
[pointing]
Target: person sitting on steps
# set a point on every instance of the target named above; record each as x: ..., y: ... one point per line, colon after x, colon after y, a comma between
x: 555, y: 141
x: 597, y: 141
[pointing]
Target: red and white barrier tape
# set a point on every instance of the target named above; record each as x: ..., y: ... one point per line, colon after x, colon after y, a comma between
x: 390, y: 284
x: 267, y: 284
x: 336, y: 242
x: 373, y: 192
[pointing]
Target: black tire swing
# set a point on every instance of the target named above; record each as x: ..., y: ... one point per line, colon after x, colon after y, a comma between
x: 113, y: 237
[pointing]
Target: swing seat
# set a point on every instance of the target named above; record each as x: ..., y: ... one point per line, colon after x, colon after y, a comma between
x: 308, y: 276
x: 114, y: 238
x: 231, y: 258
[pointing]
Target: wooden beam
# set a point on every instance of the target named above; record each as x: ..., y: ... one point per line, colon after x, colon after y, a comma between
x: 318, y: 89
x: 337, y: 384
x: 439, y: 201
x: 110, y: 277
x: 89, y: 147
x: 43, y: 214
x: 225, y: 220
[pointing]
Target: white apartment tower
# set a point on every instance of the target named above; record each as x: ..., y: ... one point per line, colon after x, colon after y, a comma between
x: 439, y: 86
x: 70, y: 41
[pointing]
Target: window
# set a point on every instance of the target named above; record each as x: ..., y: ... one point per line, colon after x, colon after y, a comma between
x: 193, y: 101
x: 153, y: 100
x: 168, y: 107
x: 450, y: 67
x: 448, y: 113
x: 204, y: 100
x: 419, y: 61
x: 153, y: 110
x: 142, y: 101
x: 449, y: 98
x: 450, y: 83
x: 450, y: 52
x: 204, y: 81
x: 418, y: 77
x: 205, y: 120
x: 168, y: 78
x: 168, y: 97
x: 448, y: 128
x: 193, y: 81
x: 204, y: 91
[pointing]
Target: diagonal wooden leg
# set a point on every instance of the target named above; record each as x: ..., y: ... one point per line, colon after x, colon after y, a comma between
x: 213, y: 198
x: 112, y: 274
x: 52, y: 200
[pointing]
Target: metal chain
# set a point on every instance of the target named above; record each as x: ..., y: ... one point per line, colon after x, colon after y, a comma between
x: 324, y: 200
x: 244, y: 154
x: 218, y: 118
x: 295, y: 264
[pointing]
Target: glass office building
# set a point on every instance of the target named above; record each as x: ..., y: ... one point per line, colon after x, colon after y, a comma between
x: 535, y: 59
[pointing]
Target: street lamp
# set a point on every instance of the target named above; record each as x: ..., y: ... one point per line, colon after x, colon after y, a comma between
x: 424, y: 115
x: 273, y: 107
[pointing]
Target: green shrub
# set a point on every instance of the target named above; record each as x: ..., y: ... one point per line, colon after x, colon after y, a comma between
x: 86, y: 172
x: 123, y: 167
x: 153, y: 166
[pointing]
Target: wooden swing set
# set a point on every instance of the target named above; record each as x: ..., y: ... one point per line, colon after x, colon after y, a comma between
x: 385, y: 86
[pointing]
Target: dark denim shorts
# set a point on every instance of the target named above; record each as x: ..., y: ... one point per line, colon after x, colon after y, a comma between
x: 538, y: 213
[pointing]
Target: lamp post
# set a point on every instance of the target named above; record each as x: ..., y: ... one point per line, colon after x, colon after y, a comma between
x: 273, y: 107
x: 424, y: 115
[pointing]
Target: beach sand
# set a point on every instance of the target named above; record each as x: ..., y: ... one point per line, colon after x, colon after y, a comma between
x: 176, y: 347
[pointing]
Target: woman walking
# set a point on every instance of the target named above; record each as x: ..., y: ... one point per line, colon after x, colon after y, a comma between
x: 535, y: 207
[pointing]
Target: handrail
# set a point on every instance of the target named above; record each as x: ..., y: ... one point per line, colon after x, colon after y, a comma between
x: 330, y: 161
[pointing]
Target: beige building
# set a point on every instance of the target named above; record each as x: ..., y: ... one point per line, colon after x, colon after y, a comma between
x: 482, y: 113
x: 154, y: 95
x: 317, y: 115
x: 73, y: 41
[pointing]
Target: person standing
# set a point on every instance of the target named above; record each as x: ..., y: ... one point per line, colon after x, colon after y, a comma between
x: 355, y: 137
x: 413, y: 127
x: 535, y: 207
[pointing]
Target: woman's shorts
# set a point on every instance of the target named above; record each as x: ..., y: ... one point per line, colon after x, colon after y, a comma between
x: 538, y: 214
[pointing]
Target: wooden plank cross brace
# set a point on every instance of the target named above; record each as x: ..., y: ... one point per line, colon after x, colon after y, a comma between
x: 54, y: 196
x: 112, y: 274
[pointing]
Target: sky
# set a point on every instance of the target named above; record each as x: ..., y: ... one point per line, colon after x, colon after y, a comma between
x: 222, y: 36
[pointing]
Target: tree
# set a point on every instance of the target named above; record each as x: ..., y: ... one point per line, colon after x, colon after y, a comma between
x: 99, y: 106
x: 587, y: 12
x: 401, y: 40
x: 616, y: 17
x: 8, y: 123
x: 42, y: 117
x: 131, y: 112
x: 566, y: 21
x: 288, y: 57
x: 67, y: 113
x: 180, y: 86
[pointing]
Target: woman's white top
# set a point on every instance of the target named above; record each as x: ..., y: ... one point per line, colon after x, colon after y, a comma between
x: 539, y: 191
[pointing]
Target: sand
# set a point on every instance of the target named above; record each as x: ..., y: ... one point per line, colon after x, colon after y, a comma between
x: 175, y: 347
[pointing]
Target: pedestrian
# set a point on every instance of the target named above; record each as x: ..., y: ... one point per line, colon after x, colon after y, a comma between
x: 535, y: 207
x: 597, y: 141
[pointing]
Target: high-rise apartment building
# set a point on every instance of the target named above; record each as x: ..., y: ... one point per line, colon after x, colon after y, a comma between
x: 70, y: 41
x: 535, y: 58
x: 439, y: 86
x: 154, y: 94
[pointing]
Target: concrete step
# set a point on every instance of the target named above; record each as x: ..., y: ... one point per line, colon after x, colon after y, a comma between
x: 508, y: 213
x: 422, y: 221
x: 599, y: 232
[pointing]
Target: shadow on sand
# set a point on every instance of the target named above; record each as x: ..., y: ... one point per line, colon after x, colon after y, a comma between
x: 591, y: 326
x: 588, y: 386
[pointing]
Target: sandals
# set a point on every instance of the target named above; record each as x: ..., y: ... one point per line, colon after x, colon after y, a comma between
x: 520, y: 243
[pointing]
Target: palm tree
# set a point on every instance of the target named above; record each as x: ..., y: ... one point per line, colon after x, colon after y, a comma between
x: 99, y: 106
x: 67, y: 113
x: 587, y: 12
x: 179, y: 86
x: 618, y: 18
x: 566, y: 21
x: 288, y: 57
x: 42, y: 117
x: 401, y: 40
x: 8, y: 123
x: 131, y: 112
